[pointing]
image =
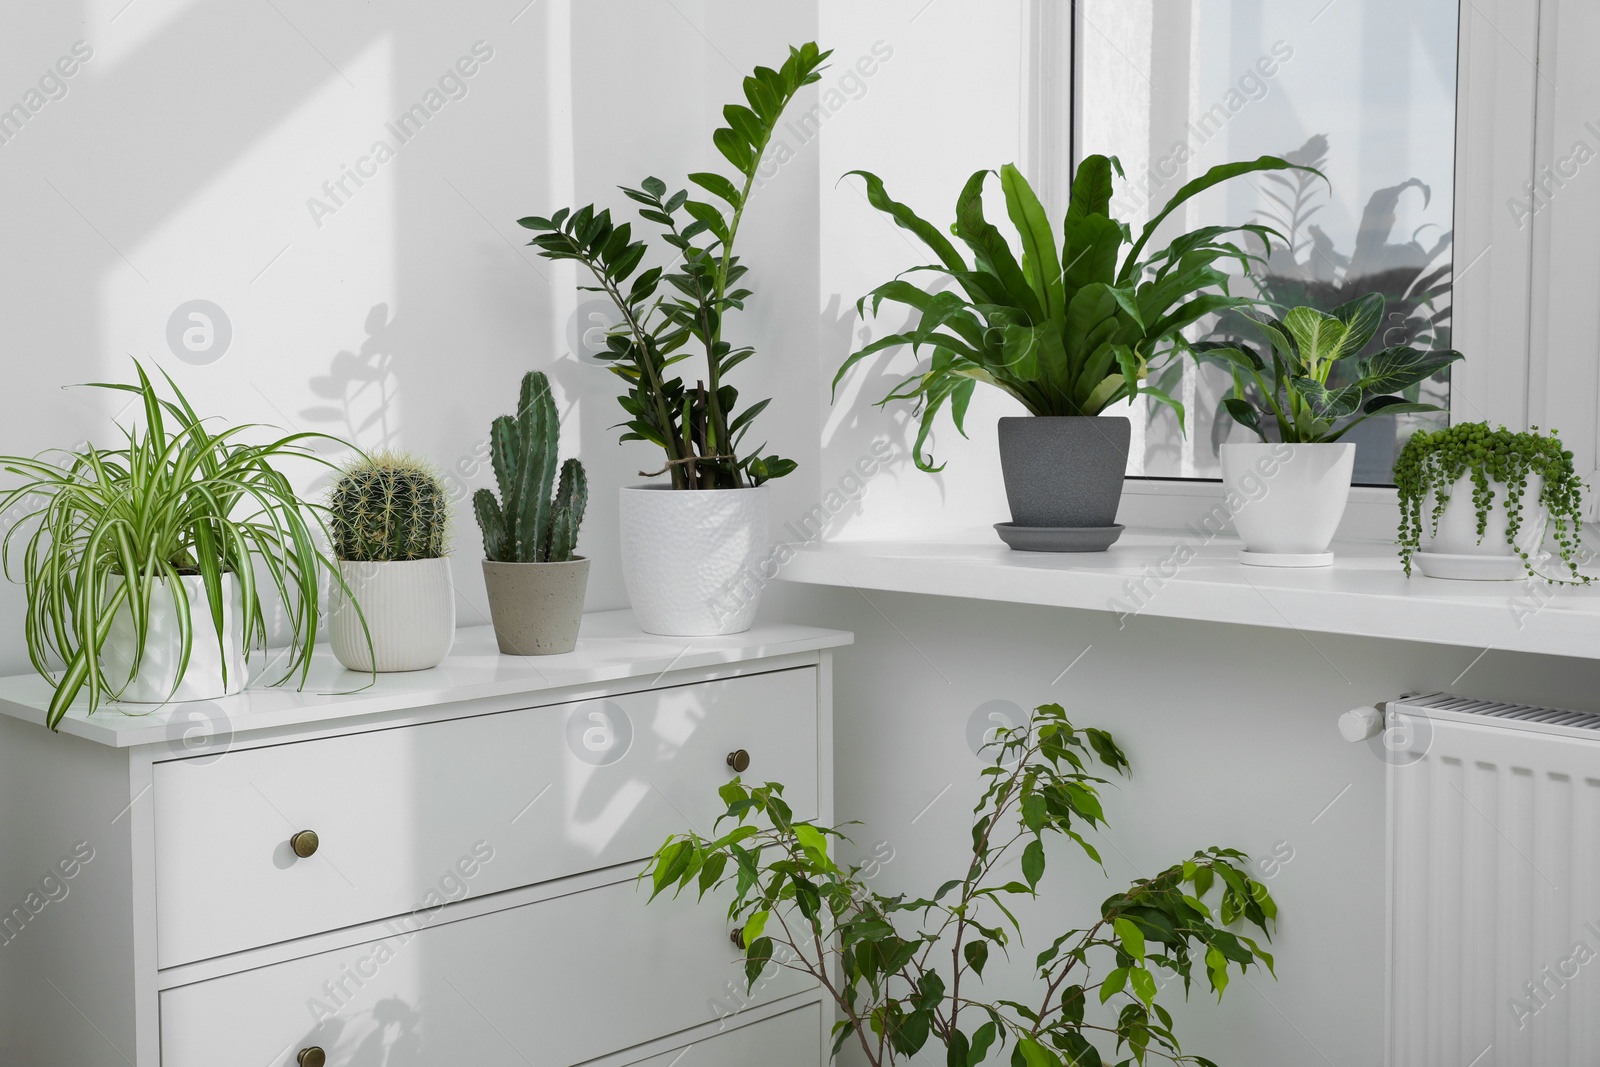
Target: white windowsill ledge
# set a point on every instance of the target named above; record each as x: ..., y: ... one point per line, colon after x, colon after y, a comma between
x: 1178, y: 575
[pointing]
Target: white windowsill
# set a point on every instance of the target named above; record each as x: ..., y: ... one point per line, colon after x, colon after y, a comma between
x: 1363, y: 593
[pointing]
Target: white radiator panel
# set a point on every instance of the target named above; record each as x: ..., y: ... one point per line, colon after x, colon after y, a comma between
x: 1494, y: 869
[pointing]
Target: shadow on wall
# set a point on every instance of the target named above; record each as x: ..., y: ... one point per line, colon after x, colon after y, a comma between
x: 880, y: 438
x: 360, y: 388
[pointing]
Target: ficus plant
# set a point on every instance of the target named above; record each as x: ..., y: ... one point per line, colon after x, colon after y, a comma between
x: 1312, y: 384
x: 1073, y: 326
x: 109, y: 532
x: 1501, y: 464
x: 907, y: 973
x: 669, y: 312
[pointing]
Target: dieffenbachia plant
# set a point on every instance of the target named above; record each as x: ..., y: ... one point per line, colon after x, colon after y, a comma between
x: 1316, y: 387
x: 696, y: 427
x: 1073, y: 327
x: 908, y: 972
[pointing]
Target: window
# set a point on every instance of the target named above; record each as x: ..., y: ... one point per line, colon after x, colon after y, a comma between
x: 1362, y: 90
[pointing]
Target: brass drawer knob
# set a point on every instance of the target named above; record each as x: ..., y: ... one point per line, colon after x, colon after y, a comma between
x: 311, y: 1057
x: 737, y: 937
x: 305, y: 844
x: 739, y: 761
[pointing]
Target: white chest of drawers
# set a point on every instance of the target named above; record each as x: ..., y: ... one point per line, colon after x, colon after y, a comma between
x: 471, y: 895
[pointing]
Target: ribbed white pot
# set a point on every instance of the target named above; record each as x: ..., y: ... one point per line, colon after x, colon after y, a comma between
x: 691, y: 558
x: 1457, y: 532
x: 1289, y: 498
x: 215, y: 669
x: 410, y: 610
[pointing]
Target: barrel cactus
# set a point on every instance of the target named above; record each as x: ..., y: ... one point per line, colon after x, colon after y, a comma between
x: 526, y: 524
x: 388, y: 507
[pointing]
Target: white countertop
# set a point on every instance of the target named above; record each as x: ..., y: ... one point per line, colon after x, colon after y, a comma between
x: 610, y: 647
x: 1181, y: 575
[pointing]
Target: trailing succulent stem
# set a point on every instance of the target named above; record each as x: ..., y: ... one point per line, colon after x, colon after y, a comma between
x: 527, y: 524
x: 387, y: 508
x: 696, y: 427
x: 905, y: 973
x: 1498, y: 461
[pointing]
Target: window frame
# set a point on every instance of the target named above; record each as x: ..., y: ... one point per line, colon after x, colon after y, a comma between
x: 1545, y: 366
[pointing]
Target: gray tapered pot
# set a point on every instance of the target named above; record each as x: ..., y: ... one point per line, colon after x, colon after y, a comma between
x: 1064, y: 470
x: 536, y: 607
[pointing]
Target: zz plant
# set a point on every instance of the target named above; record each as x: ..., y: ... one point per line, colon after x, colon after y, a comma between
x: 1316, y: 387
x: 1071, y: 328
x: 388, y: 508
x: 669, y: 312
x: 1497, y: 461
x: 526, y: 524
x: 109, y: 533
x: 909, y: 972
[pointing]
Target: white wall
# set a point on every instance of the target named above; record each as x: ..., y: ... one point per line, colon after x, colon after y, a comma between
x: 180, y: 163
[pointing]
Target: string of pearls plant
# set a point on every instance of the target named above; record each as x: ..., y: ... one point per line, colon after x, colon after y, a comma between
x: 1434, y: 460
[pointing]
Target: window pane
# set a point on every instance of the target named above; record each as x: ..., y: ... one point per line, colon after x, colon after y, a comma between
x: 1362, y: 90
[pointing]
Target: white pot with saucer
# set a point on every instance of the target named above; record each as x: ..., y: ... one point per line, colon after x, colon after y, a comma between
x: 1453, y: 548
x: 1290, y: 498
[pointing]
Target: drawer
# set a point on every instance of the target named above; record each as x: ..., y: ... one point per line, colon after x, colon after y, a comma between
x: 412, y: 818
x: 793, y: 1039
x: 553, y: 983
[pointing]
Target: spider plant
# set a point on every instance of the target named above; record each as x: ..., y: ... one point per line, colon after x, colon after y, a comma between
x: 109, y: 532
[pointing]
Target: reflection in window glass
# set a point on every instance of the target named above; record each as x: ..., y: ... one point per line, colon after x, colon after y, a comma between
x: 1362, y: 90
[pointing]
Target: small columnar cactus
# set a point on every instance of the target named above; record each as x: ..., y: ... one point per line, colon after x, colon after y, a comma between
x: 526, y: 524
x: 388, y: 507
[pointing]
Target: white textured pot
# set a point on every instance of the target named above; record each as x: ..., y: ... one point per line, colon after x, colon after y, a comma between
x: 157, y: 681
x: 691, y: 558
x: 410, y: 608
x: 1287, y: 500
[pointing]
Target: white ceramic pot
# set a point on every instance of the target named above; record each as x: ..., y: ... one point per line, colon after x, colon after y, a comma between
x: 1286, y: 500
x: 1454, y: 548
x: 1457, y: 532
x: 691, y: 558
x: 410, y: 608
x: 215, y: 670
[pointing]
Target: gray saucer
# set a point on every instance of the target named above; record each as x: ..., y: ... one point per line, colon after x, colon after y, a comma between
x: 1057, y: 538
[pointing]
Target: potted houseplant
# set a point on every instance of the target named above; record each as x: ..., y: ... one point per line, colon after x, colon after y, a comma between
x: 1309, y: 390
x: 536, y: 581
x: 691, y: 545
x: 387, y: 515
x: 1069, y: 331
x: 907, y: 972
x: 1477, y: 502
x: 145, y: 564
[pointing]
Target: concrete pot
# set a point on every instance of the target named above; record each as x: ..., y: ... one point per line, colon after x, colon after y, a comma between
x: 1291, y: 498
x: 1064, y: 470
x: 410, y: 610
x: 536, y: 607
x: 691, y: 558
x: 214, y: 670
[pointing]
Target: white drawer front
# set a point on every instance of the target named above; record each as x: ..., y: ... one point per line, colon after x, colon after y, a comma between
x: 793, y: 1039
x: 415, y: 817
x: 551, y: 984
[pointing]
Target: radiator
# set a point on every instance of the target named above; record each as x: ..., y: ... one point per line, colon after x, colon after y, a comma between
x: 1494, y: 884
